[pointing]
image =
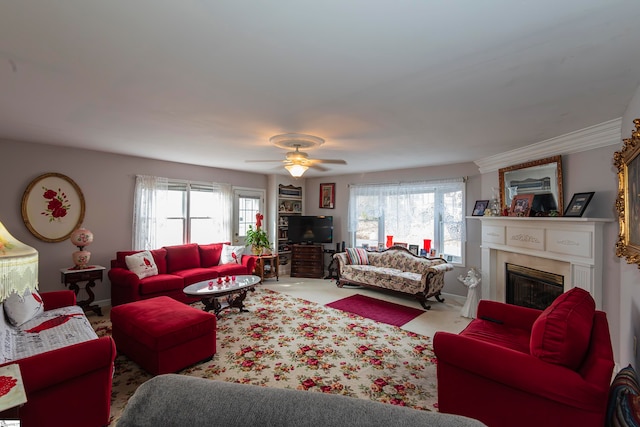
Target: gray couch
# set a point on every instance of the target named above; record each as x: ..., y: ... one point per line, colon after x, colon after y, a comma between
x: 178, y: 400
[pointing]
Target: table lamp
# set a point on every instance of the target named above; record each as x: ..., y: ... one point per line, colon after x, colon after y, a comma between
x: 18, y: 265
x: 81, y: 238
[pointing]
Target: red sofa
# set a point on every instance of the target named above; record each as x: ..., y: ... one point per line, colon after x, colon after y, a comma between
x: 70, y: 386
x: 516, y: 366
x: 178, y: 267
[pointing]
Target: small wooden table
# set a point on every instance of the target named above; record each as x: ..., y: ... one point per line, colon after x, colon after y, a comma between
x: 72, y: 276
x: 267, y: 267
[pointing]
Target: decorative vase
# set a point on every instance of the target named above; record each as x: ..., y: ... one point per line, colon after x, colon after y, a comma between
x: 389, y: 241
x: 427, y: 245
x: 81, y: 237
x: 81, y: 259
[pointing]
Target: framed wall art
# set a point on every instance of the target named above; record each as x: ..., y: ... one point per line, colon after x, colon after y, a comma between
x: 327, y: 195
x: 52, y: 207
x: 521, y: 205
x: 628, y: 202
x: 539, y: 177
x: 578, y: 204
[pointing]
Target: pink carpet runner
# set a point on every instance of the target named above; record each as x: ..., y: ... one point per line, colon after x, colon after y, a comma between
x: 378, y: 310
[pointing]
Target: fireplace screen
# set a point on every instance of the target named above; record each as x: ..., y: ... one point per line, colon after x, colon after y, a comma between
x: 532, y: 288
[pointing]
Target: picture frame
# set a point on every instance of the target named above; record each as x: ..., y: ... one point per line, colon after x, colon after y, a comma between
x: 627, y: 162
x: 479, y: 207
x: 578, y: 204
x: 542, y: 177
x: 327, y: 195
x: 381, y: 246
x: 413, y: 249
x: 52, y: 207
x: 521, y: 205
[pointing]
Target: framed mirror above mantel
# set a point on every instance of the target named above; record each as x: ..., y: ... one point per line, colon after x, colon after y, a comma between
x: 542, y: 178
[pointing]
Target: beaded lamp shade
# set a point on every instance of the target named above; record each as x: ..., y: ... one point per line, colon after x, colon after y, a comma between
x: 18, y: 265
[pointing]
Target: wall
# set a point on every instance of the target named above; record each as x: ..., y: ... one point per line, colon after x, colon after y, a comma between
x: 629, y: 303
x: 470, y: 170
x: 107, y: 182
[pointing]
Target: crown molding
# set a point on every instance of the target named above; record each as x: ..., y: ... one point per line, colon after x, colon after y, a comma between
x: 601, y: 135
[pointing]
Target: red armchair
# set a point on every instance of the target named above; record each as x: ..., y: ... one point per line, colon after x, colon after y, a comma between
x: 519, y: 366
x: 70, y: 386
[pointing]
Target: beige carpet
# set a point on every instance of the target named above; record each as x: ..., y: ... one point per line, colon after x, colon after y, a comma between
x: 289, y: 342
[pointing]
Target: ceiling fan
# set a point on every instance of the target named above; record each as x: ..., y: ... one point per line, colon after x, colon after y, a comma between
x: 297, y: 162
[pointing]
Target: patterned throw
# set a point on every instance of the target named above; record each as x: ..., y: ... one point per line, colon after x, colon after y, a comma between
x: 287, y: 342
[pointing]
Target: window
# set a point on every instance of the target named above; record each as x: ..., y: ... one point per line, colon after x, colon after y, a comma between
x: 176, y: 212
x: 247, y: 203
x: 410, y: 213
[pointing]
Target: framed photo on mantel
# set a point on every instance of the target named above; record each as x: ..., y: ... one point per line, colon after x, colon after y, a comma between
x: 521, y: 205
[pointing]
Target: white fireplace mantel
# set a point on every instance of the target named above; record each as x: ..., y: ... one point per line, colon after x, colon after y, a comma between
x: 577, y: 242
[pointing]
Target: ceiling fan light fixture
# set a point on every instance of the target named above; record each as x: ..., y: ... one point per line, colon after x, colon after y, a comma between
x: 296, y: 171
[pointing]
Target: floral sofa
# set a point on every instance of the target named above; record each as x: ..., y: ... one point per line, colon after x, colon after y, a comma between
x: 66, y: 369
x: 395, y: 269
x: 170, y: 269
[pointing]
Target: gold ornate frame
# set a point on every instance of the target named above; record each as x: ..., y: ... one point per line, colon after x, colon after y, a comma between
x: 628, y: 200
x: 52, y: 207
x: 524, y: 170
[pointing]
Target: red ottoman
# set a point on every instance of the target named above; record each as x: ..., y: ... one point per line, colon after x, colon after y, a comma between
x: 163, y: 335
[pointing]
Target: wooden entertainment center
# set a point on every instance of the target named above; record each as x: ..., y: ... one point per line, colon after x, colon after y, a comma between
x: 307, y: 261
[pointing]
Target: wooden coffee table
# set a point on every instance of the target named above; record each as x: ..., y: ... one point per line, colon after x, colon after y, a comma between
x: 210, y: 292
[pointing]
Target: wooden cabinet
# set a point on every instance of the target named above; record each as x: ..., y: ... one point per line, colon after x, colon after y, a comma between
x: 307, y: 261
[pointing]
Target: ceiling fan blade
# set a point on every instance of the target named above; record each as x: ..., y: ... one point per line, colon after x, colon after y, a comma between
x: 329, y: 161
x: 318, y: 167
x: 264, y: 161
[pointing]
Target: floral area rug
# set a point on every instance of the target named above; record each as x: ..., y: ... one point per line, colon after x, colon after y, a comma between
x: 287, y: 342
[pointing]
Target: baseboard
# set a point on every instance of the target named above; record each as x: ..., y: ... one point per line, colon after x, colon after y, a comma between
x: 457, y: 298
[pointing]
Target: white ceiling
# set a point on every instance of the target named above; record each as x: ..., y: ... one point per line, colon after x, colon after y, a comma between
x: 388, y: 84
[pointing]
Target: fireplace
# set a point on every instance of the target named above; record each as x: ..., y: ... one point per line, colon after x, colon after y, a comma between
x: 528, y: 287
x: 565, y: 246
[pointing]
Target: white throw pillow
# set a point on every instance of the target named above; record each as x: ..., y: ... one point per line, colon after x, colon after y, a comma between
x: 231, y: 254
x: 142, y: 263
x: 21, y: 309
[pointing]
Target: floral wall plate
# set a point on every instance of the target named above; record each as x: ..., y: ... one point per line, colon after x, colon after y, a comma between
x: 52, y: 207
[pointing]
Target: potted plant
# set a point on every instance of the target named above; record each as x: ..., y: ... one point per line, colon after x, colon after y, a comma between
x: 257, y: 237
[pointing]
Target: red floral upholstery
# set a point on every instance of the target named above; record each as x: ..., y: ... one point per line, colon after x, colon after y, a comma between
x: 488, y: 371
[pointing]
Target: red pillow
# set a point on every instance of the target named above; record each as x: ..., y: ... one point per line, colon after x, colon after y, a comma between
x: 562, y: 333
x: 182, y: 257
x: 210, y: 254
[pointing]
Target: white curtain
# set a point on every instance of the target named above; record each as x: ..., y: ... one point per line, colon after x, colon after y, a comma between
x: 224, y: 199
x: 151, y: 195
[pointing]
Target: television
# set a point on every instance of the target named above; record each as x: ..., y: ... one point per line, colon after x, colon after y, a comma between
x: 311, y: 229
